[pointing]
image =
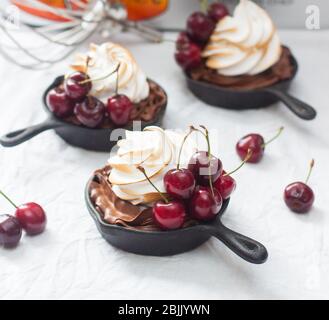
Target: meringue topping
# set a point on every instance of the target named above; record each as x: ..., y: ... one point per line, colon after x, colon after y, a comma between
x: 156, y: 150
x: 105, y: 58
x: 246, y: 43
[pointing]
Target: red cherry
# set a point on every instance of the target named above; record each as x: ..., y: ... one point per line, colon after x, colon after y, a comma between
x: 182, y: 40
x: 189, y: 56
x: 299, y: 197
x: 217, y: 11
x: 59, y: 103
x: 169, y: 216
x: 199, y: 165
x: 77, y: 86
x: 204, y: 205
x: 90, y: 112
x: 199, y: 27
x: 119, y: 108
x: 10, y: 231
x: 179, y: 183
x: 253, y: 142
x: 32, y: 218
x: 225, y: 185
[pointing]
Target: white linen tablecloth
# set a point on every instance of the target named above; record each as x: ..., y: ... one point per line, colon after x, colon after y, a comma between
x: 71, y: 260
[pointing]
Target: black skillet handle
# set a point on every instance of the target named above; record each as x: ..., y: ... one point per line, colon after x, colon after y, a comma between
x: 298, y: 107
x: 246, y: 248
x: 17, y: 137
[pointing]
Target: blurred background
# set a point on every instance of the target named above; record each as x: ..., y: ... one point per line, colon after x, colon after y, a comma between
x: 38, y: 33
x: 285, y: 13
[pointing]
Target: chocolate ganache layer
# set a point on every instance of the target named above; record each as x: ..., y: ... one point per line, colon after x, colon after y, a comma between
x: 282, y: 70
x: 115, y: 211
x: 146, y: 110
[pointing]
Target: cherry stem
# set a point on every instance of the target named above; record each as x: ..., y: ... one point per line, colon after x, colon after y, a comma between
x: 206, y: 134
x: 87, y: 64
x: 203, y: 5
x: 275, y: 137
x: 310, y: 171
x: 181, y: 147
x: 8, y: 199
x: 248, y: 156
x: 101, y: 78
x: 90, y: 101
x: 117, y: 80
x: 142, y: 170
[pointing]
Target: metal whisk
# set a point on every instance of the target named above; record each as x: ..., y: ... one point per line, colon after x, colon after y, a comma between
x: 45, y: 45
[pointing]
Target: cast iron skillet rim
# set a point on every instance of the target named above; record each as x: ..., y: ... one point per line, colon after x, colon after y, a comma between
x: 293, y: 61
x: 58, y: 80
x: 97, y: 216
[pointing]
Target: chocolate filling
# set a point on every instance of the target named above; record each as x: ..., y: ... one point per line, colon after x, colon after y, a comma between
x: 282, y: 70
x: 146, y: 110
x: 115, y: 211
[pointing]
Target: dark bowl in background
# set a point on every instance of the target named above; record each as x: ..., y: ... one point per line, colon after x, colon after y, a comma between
x: 78, y: 136
x: 252, y: 99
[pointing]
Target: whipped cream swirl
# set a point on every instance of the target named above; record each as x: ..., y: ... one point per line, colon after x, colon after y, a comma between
x: 245, y: 44
x: 104, y: 59
x: 154, y: 149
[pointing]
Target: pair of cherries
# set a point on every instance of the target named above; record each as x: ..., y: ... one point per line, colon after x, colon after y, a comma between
x: 298, y: 196
x: 29, y: 217
x: 73, y: 98
x: 198, y: 189
x: 199, y: 28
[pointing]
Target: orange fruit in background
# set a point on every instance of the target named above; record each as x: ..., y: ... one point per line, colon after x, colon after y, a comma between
x: 145, y: 9
x: 137, y: 9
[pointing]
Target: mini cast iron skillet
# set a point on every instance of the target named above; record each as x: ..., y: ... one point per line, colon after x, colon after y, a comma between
x: 166, y: 243
x: 79, y: 136
x: 252, y: 99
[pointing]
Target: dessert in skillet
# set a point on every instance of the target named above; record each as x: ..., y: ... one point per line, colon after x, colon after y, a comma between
x: 106, y: 89
x: 242, y: 51
x: 158, y: 180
